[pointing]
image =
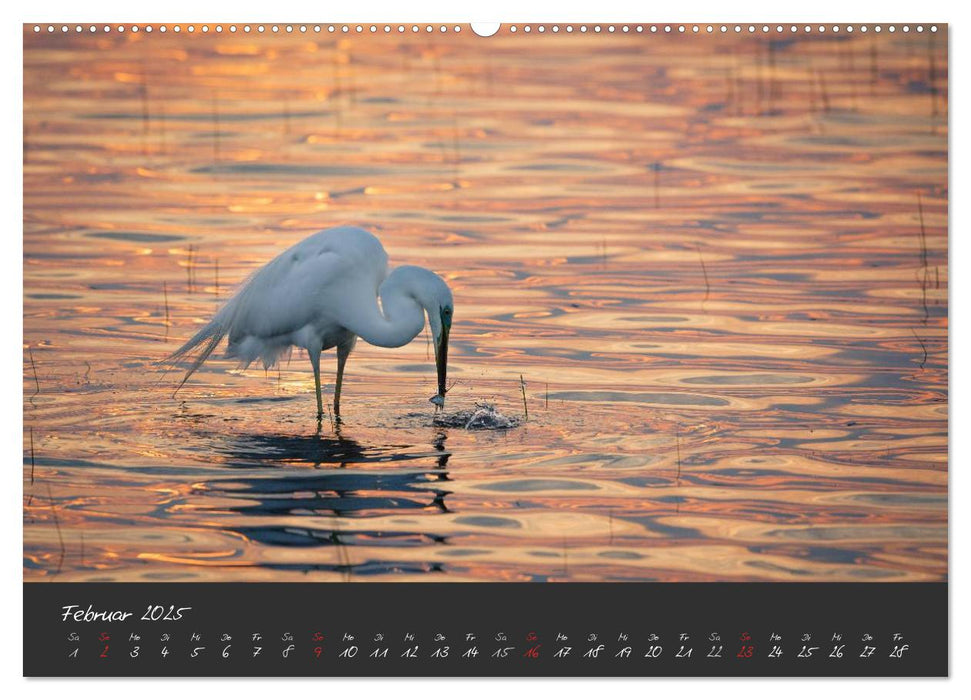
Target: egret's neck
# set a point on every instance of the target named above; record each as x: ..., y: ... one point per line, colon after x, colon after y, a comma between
x: 396, y: 323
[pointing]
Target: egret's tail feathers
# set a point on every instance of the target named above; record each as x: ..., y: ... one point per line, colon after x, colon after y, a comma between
x: 209, y: 337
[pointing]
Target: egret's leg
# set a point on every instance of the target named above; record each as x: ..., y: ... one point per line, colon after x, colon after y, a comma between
x: 315, y: 361
x: 342, y: 352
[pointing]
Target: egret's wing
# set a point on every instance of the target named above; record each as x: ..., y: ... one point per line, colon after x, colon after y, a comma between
x: 308, y: 284
x: 283, y: 297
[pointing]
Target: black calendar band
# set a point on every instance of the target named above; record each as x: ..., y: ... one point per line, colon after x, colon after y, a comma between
x: 487, y: 629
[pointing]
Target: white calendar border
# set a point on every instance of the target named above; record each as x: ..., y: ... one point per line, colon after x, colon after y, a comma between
x: 829, y: 11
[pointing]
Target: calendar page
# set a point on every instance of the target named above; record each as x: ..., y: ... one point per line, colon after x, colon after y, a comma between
x: 485, y: 350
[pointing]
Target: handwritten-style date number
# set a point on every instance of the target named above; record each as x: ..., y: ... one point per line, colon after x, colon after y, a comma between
x: 154, y: 613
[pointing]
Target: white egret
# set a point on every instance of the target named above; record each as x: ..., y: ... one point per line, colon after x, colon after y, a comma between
x: 325, y: 292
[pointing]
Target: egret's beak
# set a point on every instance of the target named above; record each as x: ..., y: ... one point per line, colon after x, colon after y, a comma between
x: 441, y: 360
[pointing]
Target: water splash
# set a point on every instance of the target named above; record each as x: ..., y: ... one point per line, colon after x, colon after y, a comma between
x: 483, y: 416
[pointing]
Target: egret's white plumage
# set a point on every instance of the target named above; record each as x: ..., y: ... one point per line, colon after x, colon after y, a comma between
x: 323, y: 293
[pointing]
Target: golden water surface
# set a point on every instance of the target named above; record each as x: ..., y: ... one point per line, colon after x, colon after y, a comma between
x: 719, y: 264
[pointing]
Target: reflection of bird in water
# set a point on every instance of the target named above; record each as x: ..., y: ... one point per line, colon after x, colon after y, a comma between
x: 248, y: 451
x: 348, y: 486
x: 333, y: 493
x: 323, y: 293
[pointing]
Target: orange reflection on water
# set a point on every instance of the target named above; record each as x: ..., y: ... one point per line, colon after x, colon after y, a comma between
x: 705, y: 256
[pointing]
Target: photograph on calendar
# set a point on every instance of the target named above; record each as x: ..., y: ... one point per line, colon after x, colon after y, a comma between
x: 564, y: 303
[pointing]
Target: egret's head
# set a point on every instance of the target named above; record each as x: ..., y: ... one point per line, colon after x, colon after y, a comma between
x: 435, y: 297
